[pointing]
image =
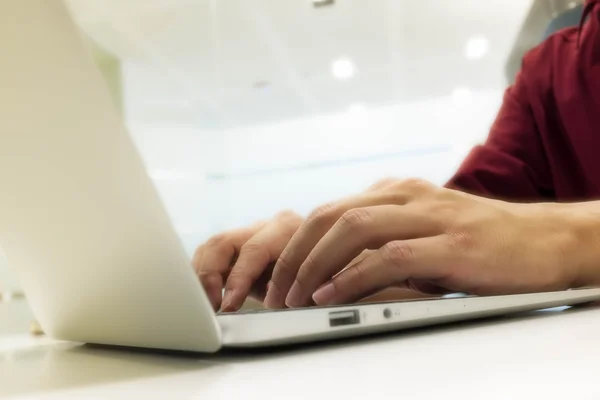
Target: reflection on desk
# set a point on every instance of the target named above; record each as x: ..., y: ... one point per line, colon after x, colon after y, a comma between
x: 544, y: 354
x: 47, y: 366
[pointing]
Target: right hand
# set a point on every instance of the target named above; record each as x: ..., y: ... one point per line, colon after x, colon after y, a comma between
x: 242, y: 260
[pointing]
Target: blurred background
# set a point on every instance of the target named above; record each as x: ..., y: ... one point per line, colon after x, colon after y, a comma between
x: 241, y: 108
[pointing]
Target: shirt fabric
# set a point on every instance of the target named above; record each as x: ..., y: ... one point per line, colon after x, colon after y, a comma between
x: 545, y: 142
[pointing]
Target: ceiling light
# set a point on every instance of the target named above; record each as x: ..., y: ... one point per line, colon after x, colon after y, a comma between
x: 477, y: 47
x: 342, y: 69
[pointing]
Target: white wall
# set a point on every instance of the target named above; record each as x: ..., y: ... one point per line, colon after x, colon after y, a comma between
x: 8, y: 280
x: 178, y: 157
x: 425, y: 123
x: 301, y: 164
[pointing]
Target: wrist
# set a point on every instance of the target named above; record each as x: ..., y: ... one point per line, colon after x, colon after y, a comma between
x: 581, y: 242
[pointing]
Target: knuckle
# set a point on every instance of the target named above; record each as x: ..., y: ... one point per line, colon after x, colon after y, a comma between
x: 288, y: 221
x: 283, y: 264
x: 237, y: 278
x: 256, y: 250
x: 253, y: 246
x: 323, y: 214
x: 209, y: 280
x: 218, y: 241
x: 416, y: 185
x: 198, y: 256
x: 408, y: 189
x: 204, y: 275
x: 397, y: 253
x: 282, y: 272
x: 355, y: 219
x: 287, y: 214
x: 443, y: 208
x: 445, y: 214
x: 307, y: 270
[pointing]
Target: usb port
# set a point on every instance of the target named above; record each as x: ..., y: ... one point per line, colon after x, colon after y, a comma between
x: 342, y: 318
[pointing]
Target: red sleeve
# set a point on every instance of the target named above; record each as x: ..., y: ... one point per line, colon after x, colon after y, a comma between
x: 511, y: 164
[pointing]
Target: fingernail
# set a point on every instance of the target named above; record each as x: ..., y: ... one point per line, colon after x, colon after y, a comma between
x: 227, y: 298
x: 324, y: 295
x: 294, y: 297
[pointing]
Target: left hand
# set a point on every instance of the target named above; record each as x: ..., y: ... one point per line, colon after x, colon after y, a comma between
x: 425, y: 238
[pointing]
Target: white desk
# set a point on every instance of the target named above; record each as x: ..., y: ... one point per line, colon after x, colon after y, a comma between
x: 547, y: 354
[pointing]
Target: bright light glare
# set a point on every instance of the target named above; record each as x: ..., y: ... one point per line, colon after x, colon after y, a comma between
x: 342, y: 69
x: 477, y: 47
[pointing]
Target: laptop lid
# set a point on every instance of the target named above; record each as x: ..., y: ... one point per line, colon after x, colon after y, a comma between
x: 80, y: 220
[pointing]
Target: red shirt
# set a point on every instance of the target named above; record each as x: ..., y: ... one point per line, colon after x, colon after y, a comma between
x: 545, y: 142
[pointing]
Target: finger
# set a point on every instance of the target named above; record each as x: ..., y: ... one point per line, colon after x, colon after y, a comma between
x: 319, y: 222
x: 213, y: 260
x: 255, y: 256
x: 359, y: 258
x: 394, y: 264
x: 356, y: 230
x: 305, y: 238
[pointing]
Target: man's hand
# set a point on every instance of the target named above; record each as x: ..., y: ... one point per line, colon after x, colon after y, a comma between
x: 241, y: 261
x: 423, y: 237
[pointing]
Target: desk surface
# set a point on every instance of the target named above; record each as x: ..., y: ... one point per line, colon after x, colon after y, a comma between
x: 540, y: 355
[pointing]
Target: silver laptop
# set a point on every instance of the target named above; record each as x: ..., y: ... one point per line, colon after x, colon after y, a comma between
x: 83, y: 226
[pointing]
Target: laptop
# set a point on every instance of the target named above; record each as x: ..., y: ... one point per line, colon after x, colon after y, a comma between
x: 84, y: 227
